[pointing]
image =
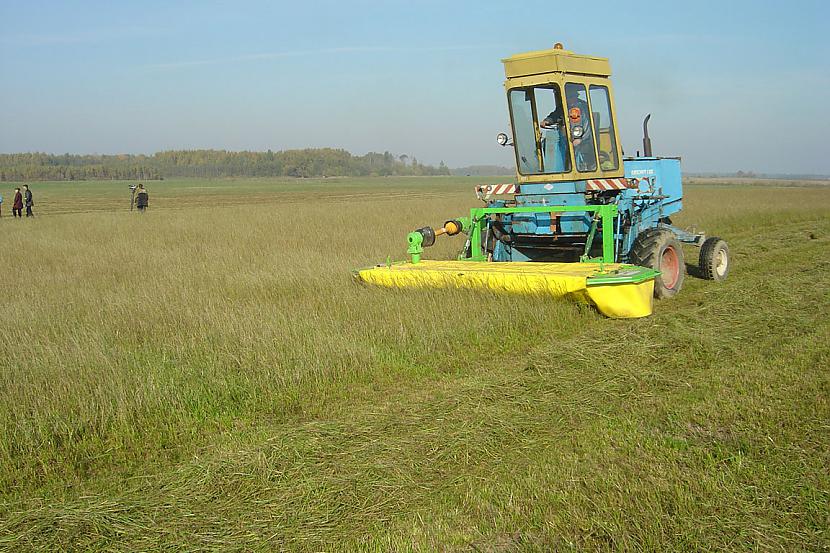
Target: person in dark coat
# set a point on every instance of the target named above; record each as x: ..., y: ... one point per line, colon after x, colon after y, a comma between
x: 17, y: 203
x: 27, y: 198
x: 142, y: 199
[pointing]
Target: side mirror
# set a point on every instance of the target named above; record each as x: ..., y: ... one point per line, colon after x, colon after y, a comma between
x: 503, y: 139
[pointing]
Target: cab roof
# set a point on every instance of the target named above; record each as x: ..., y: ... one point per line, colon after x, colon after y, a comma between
x: 555, y: 60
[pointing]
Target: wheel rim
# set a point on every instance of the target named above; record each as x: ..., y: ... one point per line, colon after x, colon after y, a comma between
x: 721, y: 263
x: 670, y: 267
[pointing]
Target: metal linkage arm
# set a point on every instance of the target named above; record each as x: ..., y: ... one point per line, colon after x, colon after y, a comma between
x: 606, y: 212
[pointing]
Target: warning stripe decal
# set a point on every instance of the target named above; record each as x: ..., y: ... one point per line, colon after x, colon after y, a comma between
x: 484, y: 191
x: 607, y: 184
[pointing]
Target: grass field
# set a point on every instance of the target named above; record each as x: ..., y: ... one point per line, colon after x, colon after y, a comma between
x: 207, y: 376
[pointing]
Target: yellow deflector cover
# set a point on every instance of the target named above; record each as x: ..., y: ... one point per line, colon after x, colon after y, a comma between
x: 623, y: 299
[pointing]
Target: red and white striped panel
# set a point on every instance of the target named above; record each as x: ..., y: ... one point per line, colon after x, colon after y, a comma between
x: 484, y: 191
x: 607, y: 184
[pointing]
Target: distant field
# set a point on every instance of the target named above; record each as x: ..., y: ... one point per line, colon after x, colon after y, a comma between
x: 83, y: 196
x: 755, y: 181
x: 207, y: 376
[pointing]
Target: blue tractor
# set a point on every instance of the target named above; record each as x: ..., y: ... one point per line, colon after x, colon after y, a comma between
x: 580, y: 222
x: 568, y: 154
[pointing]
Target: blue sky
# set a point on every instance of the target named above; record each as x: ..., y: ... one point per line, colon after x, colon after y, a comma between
x: 731, y: 85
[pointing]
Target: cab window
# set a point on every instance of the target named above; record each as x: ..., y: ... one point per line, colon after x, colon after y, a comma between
x: 539, y: 131
x: 580, y: 127
x: 524, y: 134
x: 604, y: 123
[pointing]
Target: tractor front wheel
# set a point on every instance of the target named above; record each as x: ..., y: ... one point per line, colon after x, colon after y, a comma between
x: 660, y: 249
x: 714, y: 259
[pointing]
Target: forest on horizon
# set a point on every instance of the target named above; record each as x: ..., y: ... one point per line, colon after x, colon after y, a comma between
x: 310, y: 162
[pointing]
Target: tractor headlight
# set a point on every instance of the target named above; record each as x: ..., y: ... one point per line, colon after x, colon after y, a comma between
x: 577, y: 132
x: 502, y: 139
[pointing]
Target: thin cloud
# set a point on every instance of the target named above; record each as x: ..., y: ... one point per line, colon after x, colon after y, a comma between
x: 80, y: 37
x: 315, y: 52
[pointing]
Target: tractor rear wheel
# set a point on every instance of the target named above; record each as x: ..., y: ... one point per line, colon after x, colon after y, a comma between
x: 660, y: 249
x: 714, y: 259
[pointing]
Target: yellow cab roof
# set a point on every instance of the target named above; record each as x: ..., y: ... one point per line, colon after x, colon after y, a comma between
x: 555, y: 61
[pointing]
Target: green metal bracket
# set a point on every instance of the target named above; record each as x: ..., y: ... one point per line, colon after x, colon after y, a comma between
x: 604, y: 213
x: 415, y: 239
x: 466, y: 224
x: 590, y: 240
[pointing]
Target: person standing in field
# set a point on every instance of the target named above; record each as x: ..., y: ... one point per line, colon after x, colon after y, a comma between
x: 27, y: 198
x: 142, y: 199
x: 17, y: 204
x: 1, y: 205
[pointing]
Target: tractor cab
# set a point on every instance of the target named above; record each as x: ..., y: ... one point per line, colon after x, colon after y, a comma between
x: 561, y: 112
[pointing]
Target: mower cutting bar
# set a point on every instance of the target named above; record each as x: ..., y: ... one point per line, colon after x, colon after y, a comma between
x: 618, y: 291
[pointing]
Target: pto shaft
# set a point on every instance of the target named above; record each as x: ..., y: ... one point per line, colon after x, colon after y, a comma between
x: 424, y: 237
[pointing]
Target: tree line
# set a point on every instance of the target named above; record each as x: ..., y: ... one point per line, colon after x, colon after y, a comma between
x: 320, y: 162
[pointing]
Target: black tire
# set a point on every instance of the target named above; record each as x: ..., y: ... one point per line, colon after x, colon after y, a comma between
x: 714, y: 259
x: 660, y: 249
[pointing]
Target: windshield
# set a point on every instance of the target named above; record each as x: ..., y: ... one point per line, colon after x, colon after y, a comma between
x: 606, y: 144
x: 581, y: 127
x: 539, y: 130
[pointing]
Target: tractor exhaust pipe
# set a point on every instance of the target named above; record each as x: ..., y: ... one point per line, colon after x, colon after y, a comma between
x: 646, y: 139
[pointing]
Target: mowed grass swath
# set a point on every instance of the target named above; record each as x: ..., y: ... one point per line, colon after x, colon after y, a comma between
x: 209, y: 376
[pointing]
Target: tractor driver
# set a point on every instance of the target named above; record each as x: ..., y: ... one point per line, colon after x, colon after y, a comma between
x: 580, y: 125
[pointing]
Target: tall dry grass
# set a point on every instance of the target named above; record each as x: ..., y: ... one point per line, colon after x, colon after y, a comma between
x: 208, y: 375
x: 129, y: 336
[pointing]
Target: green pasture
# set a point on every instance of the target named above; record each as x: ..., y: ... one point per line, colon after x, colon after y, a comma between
x: 59, y: 198
x: 207, y: 376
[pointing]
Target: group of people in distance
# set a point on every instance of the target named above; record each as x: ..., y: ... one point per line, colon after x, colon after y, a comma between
x: 25, y: 198
x: 20, y: 199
